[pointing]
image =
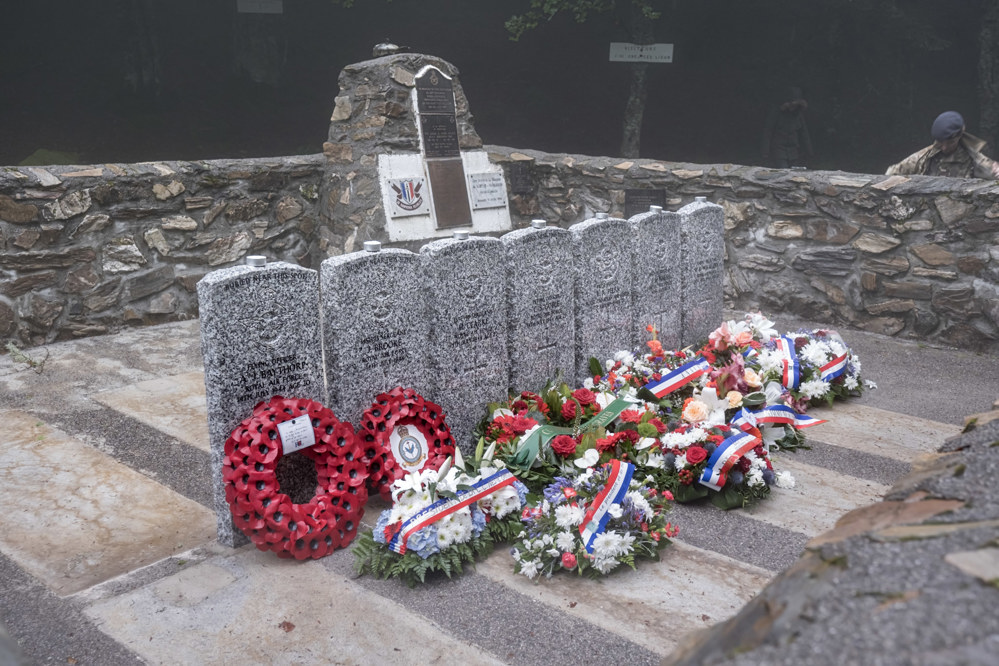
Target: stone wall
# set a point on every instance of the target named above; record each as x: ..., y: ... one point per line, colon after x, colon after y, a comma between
x: 909, y: 256
x: 85, y: 250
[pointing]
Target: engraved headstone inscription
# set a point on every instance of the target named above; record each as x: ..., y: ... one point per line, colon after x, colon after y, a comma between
x: 375, y: 330
x: 259, y: 338
x: 638, y: 201
x: 435, y: 108
x: 465, y: 283
x: 656, y: 285
x: 540, y: 306
x: 602, y: 266
x: 702, y: 269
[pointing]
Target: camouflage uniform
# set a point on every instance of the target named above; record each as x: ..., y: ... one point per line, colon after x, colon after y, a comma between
x: 965, y: 162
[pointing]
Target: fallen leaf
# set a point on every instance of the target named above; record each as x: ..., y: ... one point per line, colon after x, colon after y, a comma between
x: 286, y: 626
x: 572, y: 604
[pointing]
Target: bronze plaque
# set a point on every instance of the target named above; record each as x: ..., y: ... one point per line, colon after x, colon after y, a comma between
x: 440, y: 136
x: 434, y: 93
x: 521, y: 181
x: 447, y: 181
x: 637, y: 202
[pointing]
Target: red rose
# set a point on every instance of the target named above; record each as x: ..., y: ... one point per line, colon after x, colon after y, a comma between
x: 696, y: 454
x: 744, y: 464
x: 584, y: 396
x: 564, y: 445
x: 659, y: 425
x: 569, y: 410
x: 568, y: 560
x: 630, y: 435
x: 519, y: 406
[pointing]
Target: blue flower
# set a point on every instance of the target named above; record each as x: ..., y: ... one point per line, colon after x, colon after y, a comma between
x: 736, y: 477
x: 424, y: 542
x: 552, y: 492
x: 769, y: 477
x: 478, y: 521
x: 521, y: 492
x: 379, y: 531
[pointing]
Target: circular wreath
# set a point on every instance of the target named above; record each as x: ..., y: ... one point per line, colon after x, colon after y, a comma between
x: 266, y: 515
x: 391, y: 411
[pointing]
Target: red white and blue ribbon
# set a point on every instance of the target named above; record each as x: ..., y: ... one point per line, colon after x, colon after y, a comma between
x: 750, y: 352
x: 774, y: 414
x: 834, y: 368
x: 725, y: 455
x: 445, y: 507
x: 596, y: 517
x: 789, y: 361
x: 677, y: 378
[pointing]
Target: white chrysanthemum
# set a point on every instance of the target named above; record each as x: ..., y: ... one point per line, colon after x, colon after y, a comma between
x: 869, y: 384
x: 626, y: 358
x: 566, y: 542
x: 605, y: 564
x: 530, y: 568
x: 583, y: 478
x: 614, y: 511
x: 785, y: 480
x: 567, y: 515
x: 588, y: 383
x: 501, y: 502
x: 682, y: 440
x: 855, y: 362
x: 641, y: 504
x: 655, y: 461
x: 814, y: 388
x: 851, y: 383
x: 770, y: 361
x: 755, y: 477
x: 680, y: 462
x: 836, y: 347
x: 816, y: 353
x: 516, y: 554
x: 609, y: 364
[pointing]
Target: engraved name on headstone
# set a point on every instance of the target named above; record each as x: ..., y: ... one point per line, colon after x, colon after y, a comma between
x: 602, y: 265
x: 656, y: 286
x: 540, y: 306
x: 259, y: 338
x: 375, y: 330
x: 637, y: 202
x: 435, y: 108
x: 702, y: 269
x: 465, y: 282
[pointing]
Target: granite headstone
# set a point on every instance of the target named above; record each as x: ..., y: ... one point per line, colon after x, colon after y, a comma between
x: 702, y: 269
x: 602, y: 267
x: 465, y: 282
x: 375, y: 329
x: 259, y: 338
x: 540, y: 306
x: 656, y: 285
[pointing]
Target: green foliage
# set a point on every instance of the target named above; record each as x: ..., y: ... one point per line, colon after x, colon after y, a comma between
x: 375, y: 559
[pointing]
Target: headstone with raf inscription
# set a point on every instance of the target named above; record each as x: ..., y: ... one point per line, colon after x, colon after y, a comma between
x: 602, y: 264
x: 656, y: 291
x: 540, y: 306
x: 259, y: 338
x: 465, y: 279
x: 375, y: 329
x: 702, y: 269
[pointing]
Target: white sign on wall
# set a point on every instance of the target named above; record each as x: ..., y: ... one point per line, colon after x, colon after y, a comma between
x: 625, y: 52
x: 488, y: 190
x: 409, y: 196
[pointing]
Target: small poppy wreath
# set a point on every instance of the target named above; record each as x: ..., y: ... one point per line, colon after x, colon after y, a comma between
x: 402, y: 432
x: 268, y: 516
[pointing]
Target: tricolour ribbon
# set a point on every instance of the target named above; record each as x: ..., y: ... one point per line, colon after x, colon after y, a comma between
x: 774, y: 414
x: 679, y: 377
x: 834, y: 368
x: 716, y: 472
x: 445, y: 507
x: 596, y: 517
x: 789, y: 361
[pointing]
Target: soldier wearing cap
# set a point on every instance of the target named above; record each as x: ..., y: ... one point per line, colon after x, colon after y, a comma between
x: 954, y: 153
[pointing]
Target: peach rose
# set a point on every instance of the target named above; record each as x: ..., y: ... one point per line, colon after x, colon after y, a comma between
x: 695, y: 411
x: 743, y: 338
x: 734, y: 399
x: 752, y: 378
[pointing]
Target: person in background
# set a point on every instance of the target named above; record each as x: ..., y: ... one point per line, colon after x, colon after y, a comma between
x: 785, y: 138
x: 954, y: 153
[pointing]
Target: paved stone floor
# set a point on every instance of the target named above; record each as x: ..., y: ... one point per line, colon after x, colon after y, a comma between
x: 108, y: 556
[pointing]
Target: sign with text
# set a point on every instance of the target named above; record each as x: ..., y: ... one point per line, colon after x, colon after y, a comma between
x: 488, y: 190
x: 625, y: 52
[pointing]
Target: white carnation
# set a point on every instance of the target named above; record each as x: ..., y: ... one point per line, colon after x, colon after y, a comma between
x: 785, y: 480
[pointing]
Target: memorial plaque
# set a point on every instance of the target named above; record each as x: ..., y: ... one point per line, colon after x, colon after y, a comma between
x: 488, y: 190
x: 540, y: 307
x: 656, y: 286
x: 702, y: 270
x: 466, y: 285
x: 375, y: 329
x: 602, y: 262
x: 409, y: 196
x: 637, y: 202
x: 259, y: 337
x: 447, y: 178
x: 521, y: 181
x: 434, y: 93
x: 440, y: 136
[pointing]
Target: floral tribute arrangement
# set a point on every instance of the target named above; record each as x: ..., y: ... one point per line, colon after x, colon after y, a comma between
x: 593, y: 523
x: 441, y: 519
x: 266, y: 515
x: 402, y: 433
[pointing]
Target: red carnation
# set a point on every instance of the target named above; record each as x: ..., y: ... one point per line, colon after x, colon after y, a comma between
x: 564, y: 445
x: 605, y: 444
x: 631, y: 416
x: 659, y: 425
x: 521, y: 424
x: 630, y: 435
x: 696, y: 454
x: 568, y: 560
x: 584, y: 396
x: 519, y: 406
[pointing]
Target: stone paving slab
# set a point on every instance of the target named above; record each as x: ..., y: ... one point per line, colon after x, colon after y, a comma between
x: 174, y: 405
x: 879, y: 431
x: 75, y: 517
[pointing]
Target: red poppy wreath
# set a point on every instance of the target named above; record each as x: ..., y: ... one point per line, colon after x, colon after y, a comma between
x: 268, y: 516
x: 401, y: 433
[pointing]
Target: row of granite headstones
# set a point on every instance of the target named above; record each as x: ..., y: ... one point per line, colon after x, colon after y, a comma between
x: 462, y: 322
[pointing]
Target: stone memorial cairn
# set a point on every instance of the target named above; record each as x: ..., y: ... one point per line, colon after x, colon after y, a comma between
x: 260, y: 338
x: 462, y: 322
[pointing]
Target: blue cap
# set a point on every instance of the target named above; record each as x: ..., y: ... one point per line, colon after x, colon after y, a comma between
x: 947, y: 125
